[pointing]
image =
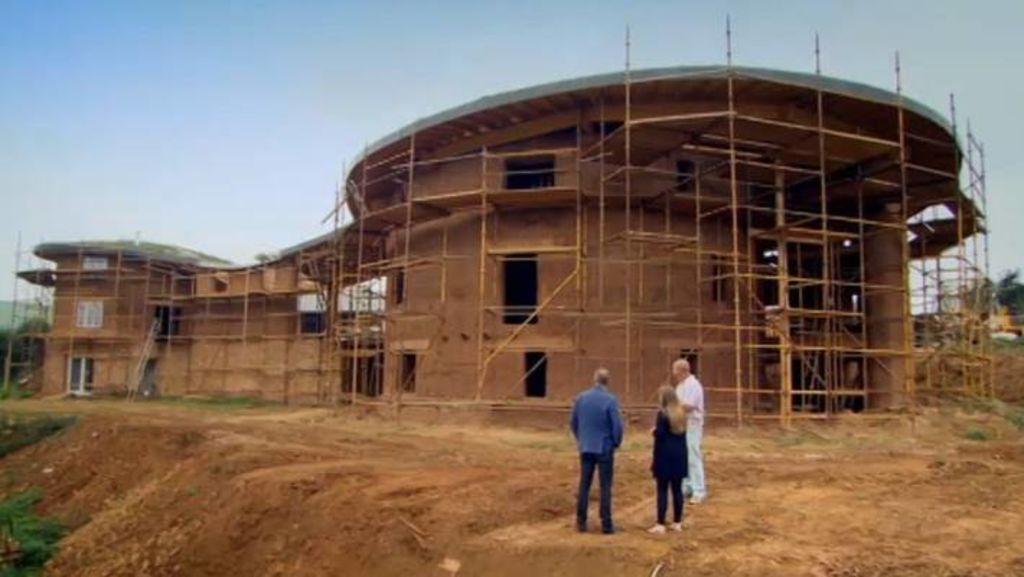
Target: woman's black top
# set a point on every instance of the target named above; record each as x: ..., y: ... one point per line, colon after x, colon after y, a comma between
x: 670, y: 460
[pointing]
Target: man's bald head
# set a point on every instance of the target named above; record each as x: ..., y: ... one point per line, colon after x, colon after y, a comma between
x: 680, y: 369
x: 602, y: 376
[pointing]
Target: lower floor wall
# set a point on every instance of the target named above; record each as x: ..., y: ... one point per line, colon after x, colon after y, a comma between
x: 538, y: 369
x: 282, y: 370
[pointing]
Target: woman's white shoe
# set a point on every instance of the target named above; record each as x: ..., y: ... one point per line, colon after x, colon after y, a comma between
x: 677, y: 527
x: 658, y: 529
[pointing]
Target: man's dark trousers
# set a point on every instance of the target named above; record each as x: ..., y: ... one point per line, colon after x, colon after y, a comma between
x: 605, y: 465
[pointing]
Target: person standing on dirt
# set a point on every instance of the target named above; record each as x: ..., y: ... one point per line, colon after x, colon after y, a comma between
x: 597, y: 426
x: 691, y: 397
x: 668, y: 464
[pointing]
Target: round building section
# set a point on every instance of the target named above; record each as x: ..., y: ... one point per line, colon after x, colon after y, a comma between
x: 759, y: 223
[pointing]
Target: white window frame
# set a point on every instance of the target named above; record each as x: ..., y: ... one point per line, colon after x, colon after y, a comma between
x: 309, y: 303
x: 89, y: 314
x: 368, y: 296
x: 95, y: 263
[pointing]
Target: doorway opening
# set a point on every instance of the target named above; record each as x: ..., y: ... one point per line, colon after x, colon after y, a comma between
x: 80, y: 375
x: 407, y: 376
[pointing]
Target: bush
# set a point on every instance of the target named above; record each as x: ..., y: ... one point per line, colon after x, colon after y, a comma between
x: 28, y: 349
x: 30, y: 539
x: 1014, y: 414
x: 1016, y: 417
x: 16, y: 433
x: 976, y: 435
x: 13, y: 391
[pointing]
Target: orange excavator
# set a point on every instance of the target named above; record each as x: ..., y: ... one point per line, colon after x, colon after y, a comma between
x: 1005, y: 324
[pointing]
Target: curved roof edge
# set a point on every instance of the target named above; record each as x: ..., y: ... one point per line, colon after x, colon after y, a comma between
x: 813, y: 81
x: 143, y: 249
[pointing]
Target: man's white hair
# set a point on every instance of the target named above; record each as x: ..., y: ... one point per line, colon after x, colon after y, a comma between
x: 681, y: 365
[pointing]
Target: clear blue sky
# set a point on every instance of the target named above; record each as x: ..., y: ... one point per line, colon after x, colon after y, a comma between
x: 223, y: 126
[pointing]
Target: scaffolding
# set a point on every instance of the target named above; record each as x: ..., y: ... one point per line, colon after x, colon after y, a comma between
x: 29, y: 320
x: 129, y: 317
x: 952, y: 296
x: 807, y: 265
x: 772, y: 219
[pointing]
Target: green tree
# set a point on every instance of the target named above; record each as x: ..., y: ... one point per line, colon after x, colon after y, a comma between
x: 26, y: 350
x: 1010, y: 292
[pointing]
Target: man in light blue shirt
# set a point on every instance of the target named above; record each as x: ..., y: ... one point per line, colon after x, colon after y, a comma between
x: 597, y: 425
x: 691, y: 397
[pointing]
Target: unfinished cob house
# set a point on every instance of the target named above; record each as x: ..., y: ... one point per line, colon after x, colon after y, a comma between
x: 781, y: 230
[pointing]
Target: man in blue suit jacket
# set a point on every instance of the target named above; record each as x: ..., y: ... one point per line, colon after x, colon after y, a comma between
x: 597, y: 425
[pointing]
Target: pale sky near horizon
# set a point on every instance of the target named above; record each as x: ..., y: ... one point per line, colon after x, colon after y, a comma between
x: 223, y: 126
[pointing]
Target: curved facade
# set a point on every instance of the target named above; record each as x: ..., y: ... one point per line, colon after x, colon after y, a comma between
x: 760, y: 223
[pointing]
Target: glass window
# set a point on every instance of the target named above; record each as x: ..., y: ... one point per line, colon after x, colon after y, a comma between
x: 94, y: 263
x: 90, y: 314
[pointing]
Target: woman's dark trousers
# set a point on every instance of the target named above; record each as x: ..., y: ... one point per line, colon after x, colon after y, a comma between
x: 677, y: 499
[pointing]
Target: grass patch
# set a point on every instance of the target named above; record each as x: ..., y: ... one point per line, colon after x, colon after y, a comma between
x: 17, y: 432
x: 1008, y: 345
x: 545, y: 446
x: 13, y: 391
x: 228, y: 403
x: 801, y: 437
x: 552, y: 445
x: 631, y: 446
x: 977, y: 435
x: 27, y: 541
x: 1014, y: 414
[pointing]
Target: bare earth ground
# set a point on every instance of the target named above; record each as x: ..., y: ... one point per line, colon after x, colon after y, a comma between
x: 171, y: 489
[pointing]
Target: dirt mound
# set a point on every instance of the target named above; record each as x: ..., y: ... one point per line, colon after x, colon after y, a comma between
x: 158, y: 491
x: 1008, y: 374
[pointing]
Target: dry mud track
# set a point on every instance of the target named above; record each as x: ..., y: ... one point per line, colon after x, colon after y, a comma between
x: 159, y: 489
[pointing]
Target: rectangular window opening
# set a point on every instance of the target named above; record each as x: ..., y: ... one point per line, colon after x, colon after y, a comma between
x: 369, y: 296
x: 608, y: 127
x: 718, y: 279
x: 221, y: 282
x: 684, y: 173
x: 399, y: 287
x: 169, y: 319
x: 536, y: 368
x: 370, y: 373
x: 530, y: 172
x: 312, y: 323
x: 520, y: 288
x: 767, y: 254
x: 312, y: 318
x: 407, y: 378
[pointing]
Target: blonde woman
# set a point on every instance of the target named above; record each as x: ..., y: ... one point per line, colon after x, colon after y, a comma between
x: 669, y: 465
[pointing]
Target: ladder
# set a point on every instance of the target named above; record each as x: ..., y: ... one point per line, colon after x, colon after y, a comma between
x: 140, y: 366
